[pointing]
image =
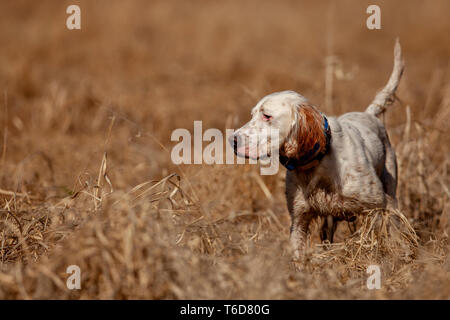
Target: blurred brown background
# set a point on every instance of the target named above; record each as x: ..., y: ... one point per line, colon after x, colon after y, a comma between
x: 164, y: 64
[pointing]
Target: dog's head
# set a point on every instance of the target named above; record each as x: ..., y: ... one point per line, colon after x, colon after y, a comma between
x: 299, y: 126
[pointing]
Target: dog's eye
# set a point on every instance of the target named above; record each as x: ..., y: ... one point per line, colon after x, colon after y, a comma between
x: 266, y: 117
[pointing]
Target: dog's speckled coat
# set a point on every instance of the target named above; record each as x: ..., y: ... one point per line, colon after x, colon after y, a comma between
x: 359, y: 172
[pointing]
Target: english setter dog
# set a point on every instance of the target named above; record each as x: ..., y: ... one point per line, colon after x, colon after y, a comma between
x: 338, y: 167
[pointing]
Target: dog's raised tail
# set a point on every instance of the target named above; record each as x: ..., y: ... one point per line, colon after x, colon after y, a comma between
x: 386, y: 97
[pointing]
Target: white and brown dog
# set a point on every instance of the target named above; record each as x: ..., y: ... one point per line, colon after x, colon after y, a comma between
x: 338, y: 167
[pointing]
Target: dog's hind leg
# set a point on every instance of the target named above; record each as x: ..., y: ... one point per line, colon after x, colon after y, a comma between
x: 389, y: 176
x: 389, y: 180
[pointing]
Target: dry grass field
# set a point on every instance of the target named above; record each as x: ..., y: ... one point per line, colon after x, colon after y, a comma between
x: 85, y: 171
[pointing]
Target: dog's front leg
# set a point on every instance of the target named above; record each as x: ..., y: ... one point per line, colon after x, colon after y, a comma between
x: 299, y: 232
x: 300, y: 213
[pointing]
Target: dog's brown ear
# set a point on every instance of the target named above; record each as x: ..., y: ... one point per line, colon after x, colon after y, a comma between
x: 306, y: 131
